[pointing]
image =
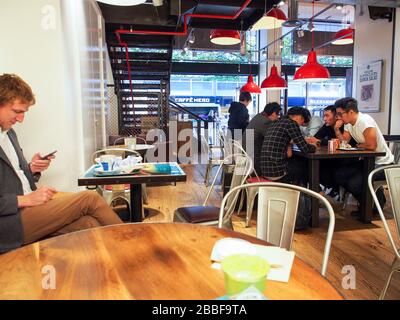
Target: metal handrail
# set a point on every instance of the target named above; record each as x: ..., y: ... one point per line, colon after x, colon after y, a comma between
x: 184, y: 110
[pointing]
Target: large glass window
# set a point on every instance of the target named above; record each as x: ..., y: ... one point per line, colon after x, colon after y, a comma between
x: 210, y: 95
x: 289, y: 57
x: 315, y: 96
x: 200, y: 88
x: 187, y: 52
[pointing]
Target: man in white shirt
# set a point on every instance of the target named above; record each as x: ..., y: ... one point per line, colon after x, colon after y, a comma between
x: 365, y: 131
x: 28, y: 213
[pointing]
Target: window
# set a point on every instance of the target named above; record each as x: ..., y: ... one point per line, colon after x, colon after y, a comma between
x: 315, y: 95
x: 210, y: 93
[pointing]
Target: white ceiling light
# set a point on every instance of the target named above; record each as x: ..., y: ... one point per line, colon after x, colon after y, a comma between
x: 157, y: 3
x: 123, y: 2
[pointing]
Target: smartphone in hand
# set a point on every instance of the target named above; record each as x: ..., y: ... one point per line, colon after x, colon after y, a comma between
x: 48, y: 155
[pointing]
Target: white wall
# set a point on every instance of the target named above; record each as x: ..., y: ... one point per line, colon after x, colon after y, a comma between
x: 395, y: 122
x: 373, y: 41
x: 48, y: 44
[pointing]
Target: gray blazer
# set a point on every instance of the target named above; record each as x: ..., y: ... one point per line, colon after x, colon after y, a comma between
x: 11, y: 229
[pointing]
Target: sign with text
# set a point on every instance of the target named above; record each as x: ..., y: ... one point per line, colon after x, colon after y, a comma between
x: 368, y: 86
x: 195, y: 99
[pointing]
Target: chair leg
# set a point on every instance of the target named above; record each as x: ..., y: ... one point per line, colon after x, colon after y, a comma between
x: 223, y: 179
x: 251, y: 195
x: 144, y: 194
x: 240, y: 203
x: 345, y: 199
x: 207, y: 174
x: 395, y: 268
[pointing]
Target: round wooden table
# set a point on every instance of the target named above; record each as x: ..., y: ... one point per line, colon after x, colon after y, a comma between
x: 137, y: 261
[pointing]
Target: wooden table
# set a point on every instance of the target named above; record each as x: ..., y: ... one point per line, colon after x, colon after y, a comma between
x: 173, y: 174
x: 138, y: 261
x: 322, y: 153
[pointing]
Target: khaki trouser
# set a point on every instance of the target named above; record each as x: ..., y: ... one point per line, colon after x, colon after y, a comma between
x: 72, y: 212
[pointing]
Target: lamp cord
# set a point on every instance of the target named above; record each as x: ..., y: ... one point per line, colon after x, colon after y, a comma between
x: 274, y: 41
x: 312, y: 23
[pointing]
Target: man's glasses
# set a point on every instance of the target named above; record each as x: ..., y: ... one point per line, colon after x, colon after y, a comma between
x: 339, y: 114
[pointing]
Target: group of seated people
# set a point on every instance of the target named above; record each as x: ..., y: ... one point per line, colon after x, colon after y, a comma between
x: 27, y: 214
x: 274, y: 135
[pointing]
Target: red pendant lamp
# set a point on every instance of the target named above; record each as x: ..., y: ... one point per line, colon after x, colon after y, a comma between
x: 312, y: 71
x: 343, y: 36
x: 270, y: 20
x: 225, y: 37
x: 250, y: 86
x: 274, y: 81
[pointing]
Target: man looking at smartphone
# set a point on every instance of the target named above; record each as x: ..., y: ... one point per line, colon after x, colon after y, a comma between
x: 28, y: 213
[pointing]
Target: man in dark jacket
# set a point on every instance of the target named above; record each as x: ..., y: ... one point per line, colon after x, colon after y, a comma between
x: 254, y: 134
x: 328, y: 167
x: 28, y: 213
x: 239, y: 115
x: 327, y: 131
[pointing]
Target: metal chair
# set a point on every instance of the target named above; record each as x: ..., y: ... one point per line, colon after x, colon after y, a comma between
x: 225, y: 142
x: 111, y: 193
x: 212, y: 160
x: 392, y: 174
x: 277, y: 211
x: 251, y: 193
x: 395, y: 148
x: 208, y: 215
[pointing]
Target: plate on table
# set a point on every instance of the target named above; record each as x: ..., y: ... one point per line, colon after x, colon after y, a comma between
x: 100, y: 172
x: 350, y: 149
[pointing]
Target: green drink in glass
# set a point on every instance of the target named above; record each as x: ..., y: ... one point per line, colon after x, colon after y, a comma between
x: 243, y: 271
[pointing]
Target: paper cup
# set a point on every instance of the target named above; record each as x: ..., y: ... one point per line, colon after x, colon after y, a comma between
x: 130, y: 143
x: 107, y: 161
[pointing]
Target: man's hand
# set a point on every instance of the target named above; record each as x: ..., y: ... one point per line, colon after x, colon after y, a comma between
x: 289, y: 151
x: 39, y: 165
x: 312, y: 140
x: 338, y: 125
x: 36, y: 198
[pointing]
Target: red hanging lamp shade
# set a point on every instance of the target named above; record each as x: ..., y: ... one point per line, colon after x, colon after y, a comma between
x: 274, y: 81
x: 250, y: 86
x: 343, y: 36
x: 270, y: 20
x: 312, y: 71
x: 225, y: 37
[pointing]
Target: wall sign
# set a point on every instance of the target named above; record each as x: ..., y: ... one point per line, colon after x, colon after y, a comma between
x: 182, y: 99
x: 368, y: 86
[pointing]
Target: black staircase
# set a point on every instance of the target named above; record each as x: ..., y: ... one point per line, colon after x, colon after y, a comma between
x: 142, y: 91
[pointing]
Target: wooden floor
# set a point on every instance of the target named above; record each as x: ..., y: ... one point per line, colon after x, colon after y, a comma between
x: 364, y: 246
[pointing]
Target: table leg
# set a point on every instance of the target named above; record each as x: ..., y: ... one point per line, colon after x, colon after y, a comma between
x: 313, y: 180
x: 136, y: 203
x: 366, y: 200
